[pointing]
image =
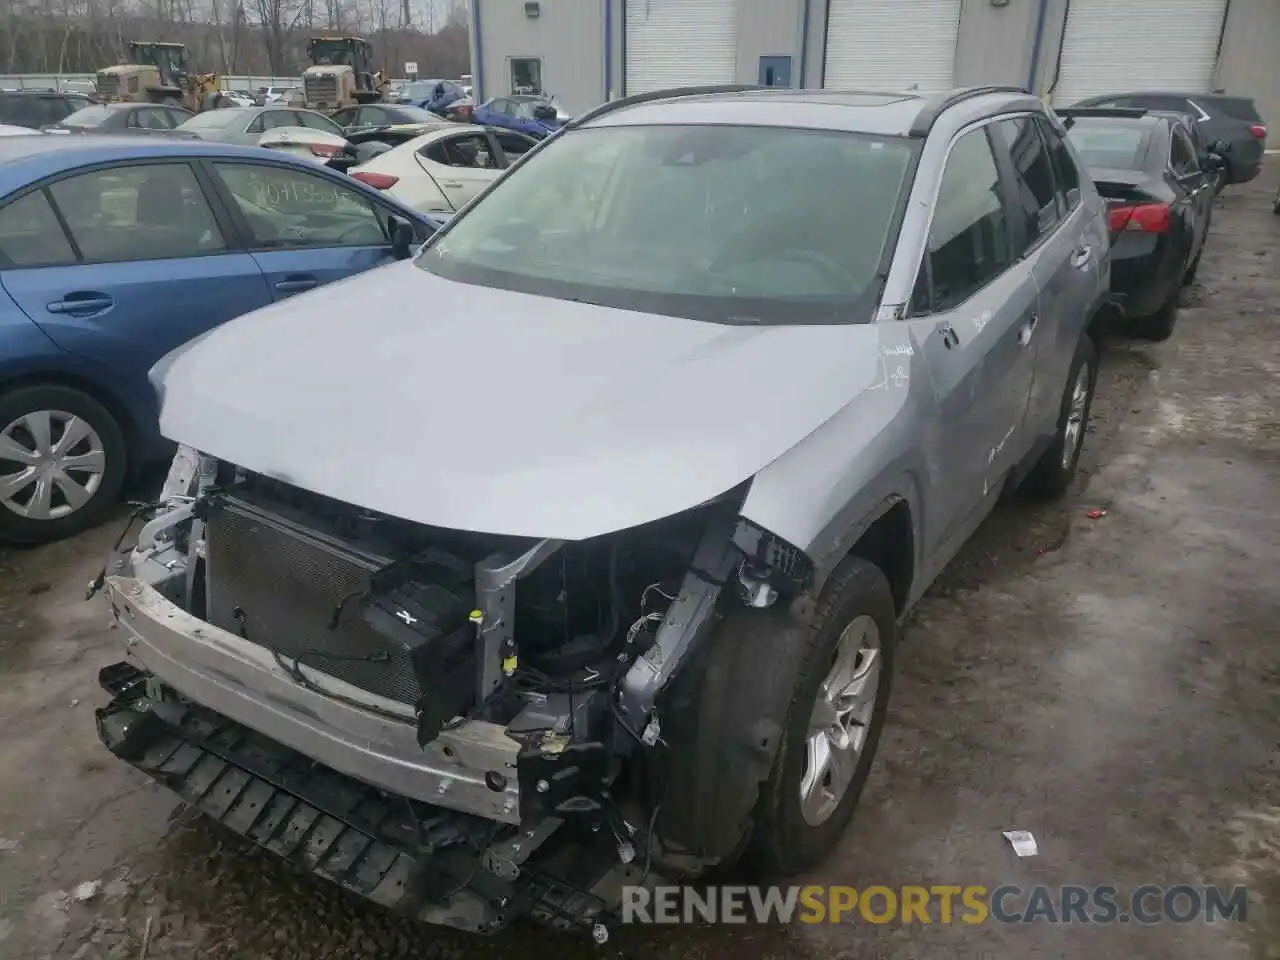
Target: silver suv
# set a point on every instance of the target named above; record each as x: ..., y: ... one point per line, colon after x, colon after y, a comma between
x: 572, y: 553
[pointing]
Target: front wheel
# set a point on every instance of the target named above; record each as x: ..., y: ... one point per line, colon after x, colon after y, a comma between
x: 833, y: 726
x: 1053, y: 472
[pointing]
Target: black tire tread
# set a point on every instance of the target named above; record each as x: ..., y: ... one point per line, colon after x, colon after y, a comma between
x: 1048, y: 479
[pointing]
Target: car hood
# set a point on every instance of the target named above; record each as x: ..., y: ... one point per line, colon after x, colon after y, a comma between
x: 474, y: 408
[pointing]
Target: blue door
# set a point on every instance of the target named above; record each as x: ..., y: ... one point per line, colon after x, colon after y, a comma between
x: 775, y: 71
x: 144, y: 269
x: 304, y: 229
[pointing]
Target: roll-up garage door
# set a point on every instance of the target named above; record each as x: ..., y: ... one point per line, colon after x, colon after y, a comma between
x: 1114, y: 46
x: 675, y: 43
x: 891, y: 44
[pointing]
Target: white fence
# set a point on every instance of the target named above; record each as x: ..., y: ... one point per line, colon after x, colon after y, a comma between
x: 85, y: 82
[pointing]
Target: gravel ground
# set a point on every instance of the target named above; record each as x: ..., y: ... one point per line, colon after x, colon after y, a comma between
x: 1112, y: 684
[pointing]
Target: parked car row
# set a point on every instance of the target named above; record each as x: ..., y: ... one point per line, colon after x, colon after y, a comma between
x: 1153, y: 167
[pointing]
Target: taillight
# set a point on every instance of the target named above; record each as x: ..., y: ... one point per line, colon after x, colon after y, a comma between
x: 1259, y: 130
x: 379, y: 181
x: 1142, y: 218
x: 324, y: 149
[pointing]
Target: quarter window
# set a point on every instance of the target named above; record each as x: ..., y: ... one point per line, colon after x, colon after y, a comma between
x: 1036, y: 194
x: 153, y: 211
x: 969, y: 238
x: 286, y: 208
x: 1182, y: 155
x: 30, y: 235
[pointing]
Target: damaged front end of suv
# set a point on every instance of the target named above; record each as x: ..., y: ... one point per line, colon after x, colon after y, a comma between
x: 465, y: 727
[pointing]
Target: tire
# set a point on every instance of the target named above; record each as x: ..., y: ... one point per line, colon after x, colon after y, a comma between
x: 788, y: 835
x: 1224, y: 177
x: 100, y: 449
x: 1190, y: 276
x: 1159, y: 326
x: 1052, y: 474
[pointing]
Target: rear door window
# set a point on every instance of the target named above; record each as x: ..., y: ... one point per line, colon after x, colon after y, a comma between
x: 153, y: 211
x: 149, y: 118
x: 1037, y: 193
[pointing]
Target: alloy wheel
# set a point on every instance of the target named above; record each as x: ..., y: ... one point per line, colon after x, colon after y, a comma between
x: 840, y: 720
x: 1073, y: 430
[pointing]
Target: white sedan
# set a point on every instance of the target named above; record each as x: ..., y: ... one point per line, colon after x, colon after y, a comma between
x: 441, y: 170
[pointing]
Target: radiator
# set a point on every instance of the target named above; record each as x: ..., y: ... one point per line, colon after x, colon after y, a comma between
x: 277, y: 584
x: 321, y: 90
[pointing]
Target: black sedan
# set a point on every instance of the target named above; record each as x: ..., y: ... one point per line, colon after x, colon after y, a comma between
x: 1159, y: 194
x: 123, y: 118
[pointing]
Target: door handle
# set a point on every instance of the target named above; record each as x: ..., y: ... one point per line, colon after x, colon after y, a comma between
x: 1028, y: 329
x: 1080, y: 258
x: 81, y: 303
x: 296, y: 284
x: 451, y: 184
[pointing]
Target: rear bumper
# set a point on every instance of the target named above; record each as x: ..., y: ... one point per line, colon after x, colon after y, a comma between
x: 415, y: 859
x: 1141, y: 279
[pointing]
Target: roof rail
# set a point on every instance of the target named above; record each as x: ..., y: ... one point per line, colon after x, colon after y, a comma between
x: 670, y: 94
x: 1069, y: 115
x: 929, y: 115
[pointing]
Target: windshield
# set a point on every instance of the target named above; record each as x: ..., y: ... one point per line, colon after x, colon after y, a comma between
x: 332, y: 53
x: 88, y: 117
x: 1109, y: 145
x: 720, y: 223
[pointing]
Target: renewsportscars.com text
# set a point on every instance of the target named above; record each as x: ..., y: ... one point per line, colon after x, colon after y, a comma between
x: 937, y: 904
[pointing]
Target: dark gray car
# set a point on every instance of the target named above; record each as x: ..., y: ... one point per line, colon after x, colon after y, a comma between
x: 123, y: 118
x: 734, y: 374
x: 1233, y: 120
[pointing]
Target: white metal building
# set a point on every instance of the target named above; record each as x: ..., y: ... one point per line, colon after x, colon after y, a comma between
x: 1139, y: 45
x: 585, y: 51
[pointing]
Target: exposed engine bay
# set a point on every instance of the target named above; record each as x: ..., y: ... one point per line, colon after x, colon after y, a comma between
x: 530, y: 675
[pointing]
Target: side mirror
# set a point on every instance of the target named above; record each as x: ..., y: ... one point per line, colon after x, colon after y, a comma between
x: 401, y: 237
x: 544, y: 112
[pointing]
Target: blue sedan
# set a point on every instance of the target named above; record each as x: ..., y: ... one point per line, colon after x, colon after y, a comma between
x: 114, y: 251
x: 527, y: 113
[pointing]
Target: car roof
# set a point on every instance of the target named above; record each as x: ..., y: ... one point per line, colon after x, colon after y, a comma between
x: 887, y: 113
x: 24, y: 159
